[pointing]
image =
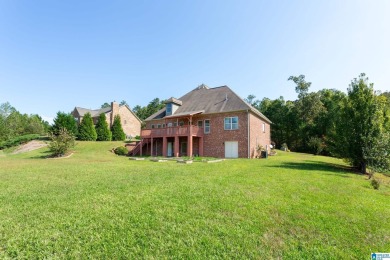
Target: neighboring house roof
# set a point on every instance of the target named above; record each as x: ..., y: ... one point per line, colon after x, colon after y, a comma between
x: 210, y: 100
x: 94, y: 113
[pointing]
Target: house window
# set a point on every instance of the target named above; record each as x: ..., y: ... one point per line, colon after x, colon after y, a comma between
x: 263, y: 127
x: 207, y: 126
x: 175, y: 124
x: 169, y: 109
x: 153, y: 126
x: 163, y: 125
x: 231, y: 123
x: 181, y: 123
x: 200, y: 123
x: 169, y: 124
x: 158, y: 125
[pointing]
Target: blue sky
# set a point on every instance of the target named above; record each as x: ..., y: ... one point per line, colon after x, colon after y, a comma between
x: 55, y: 55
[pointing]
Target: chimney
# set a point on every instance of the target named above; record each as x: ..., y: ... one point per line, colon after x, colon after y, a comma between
x: 114, y: 111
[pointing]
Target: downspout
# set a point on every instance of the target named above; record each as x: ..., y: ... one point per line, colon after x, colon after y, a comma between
x: 249, y: 152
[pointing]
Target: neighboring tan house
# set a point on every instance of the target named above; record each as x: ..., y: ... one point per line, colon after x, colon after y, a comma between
x: 213, y: 122
x: 131, y: 124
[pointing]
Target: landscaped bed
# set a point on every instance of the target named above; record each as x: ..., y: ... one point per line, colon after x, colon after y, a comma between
x: 98, y: 205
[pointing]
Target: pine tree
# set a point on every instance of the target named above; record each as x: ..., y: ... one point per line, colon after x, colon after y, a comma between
x: 117, y: 130
x: 87, y: 131
x: 64, y: 120
x: 102, y: 130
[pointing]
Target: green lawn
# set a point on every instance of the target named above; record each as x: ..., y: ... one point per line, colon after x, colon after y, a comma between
x: 99, y: 205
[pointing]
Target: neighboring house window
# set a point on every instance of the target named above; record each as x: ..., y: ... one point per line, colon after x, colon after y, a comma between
x: 169, y: 124
x: 181, y: 123
x: 153, y: 126
x: 158, y: 126
x: 263, y: 127
x: 231, y: 123
x: 163, y: 125
x: 175, y: 124
x: 200, y: 123
x: 207, y: 126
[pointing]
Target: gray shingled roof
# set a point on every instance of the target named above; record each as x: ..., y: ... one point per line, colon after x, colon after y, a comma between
x: 94, y: 113
x: 211, y: 100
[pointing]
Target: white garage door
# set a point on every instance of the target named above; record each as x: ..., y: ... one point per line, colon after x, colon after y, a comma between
x: 231, y: 149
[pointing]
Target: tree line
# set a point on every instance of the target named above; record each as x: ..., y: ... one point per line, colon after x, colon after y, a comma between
x: 14, y: 124
x: 353, y: 125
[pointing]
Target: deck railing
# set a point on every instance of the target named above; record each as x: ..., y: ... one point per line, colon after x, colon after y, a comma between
x: 172, y: 131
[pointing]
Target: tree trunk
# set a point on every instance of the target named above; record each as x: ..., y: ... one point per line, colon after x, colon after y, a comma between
x: 363, y: 168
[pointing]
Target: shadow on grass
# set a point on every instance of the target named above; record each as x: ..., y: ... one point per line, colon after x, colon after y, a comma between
x: 327, y: 168
x: 41, y: 155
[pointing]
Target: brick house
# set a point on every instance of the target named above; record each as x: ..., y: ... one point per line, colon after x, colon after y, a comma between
x: 213, y: 122
x: 131, y: 124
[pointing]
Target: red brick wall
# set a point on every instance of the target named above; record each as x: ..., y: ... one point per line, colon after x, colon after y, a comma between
x: 214, y: 142
x: 257, y: 136
x: 130, y: 124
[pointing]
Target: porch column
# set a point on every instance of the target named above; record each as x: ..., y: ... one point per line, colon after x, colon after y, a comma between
x: 165, y: 147
x: 151, y: 146
x: 142, y: 144
x: 189, y: 141
x: 201, y: 146
x: 176, y: 148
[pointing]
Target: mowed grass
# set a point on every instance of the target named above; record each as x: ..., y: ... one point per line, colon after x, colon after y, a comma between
x: 99, y: 205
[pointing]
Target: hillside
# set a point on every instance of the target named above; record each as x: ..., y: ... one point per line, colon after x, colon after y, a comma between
x: 99, y: 205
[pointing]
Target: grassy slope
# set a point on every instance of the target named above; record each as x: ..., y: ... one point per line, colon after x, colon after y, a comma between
x: 96, y: 204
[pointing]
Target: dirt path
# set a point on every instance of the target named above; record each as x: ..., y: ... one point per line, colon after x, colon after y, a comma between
x: 30, y: 146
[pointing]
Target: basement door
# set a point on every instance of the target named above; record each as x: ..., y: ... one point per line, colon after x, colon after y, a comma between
x: 169, y: 153
x: 231, y: 149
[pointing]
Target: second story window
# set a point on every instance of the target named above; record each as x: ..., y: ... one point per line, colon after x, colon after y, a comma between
x: 169, y: 109
x: 152, y: 126
x: 200, y: 123
x: 263, y: 127
x: 231, y: 123
x: 207, y: 126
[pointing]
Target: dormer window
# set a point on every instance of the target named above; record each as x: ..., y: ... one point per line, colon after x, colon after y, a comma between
x: 169, y: 109
x: 171, y: 105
